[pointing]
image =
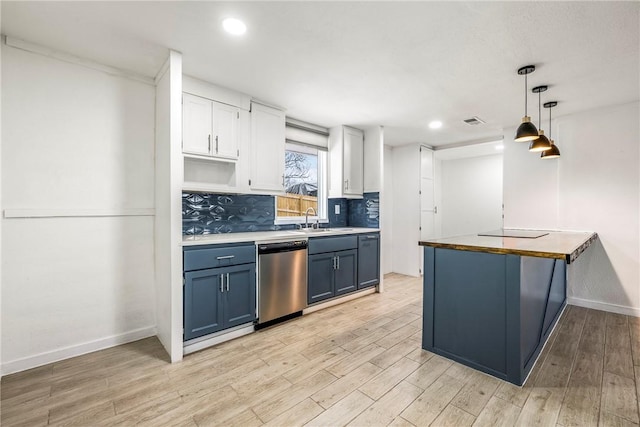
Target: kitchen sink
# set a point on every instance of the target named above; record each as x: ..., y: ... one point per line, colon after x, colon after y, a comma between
x: 314, y: 230
x: 321, y: 230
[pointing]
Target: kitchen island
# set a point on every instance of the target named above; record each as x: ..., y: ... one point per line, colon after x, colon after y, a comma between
x: 490, y: 302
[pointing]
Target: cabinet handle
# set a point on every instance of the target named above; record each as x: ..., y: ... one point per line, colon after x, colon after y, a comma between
x: 338, y: 258
x: 216, y: 143
x: 209, y: 145
x: 225, y: 257
x: 346, y: 184
x: 334, y: 262
x: 227, y: 282
x: 222, y: 283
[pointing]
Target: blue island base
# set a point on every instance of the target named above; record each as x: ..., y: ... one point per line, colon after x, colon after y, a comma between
x: 491, y: 312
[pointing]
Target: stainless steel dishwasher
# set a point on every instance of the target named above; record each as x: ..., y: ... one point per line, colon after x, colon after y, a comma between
x: 282, y: 279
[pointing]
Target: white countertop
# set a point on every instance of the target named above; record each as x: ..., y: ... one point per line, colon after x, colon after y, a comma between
x: 267, y: 236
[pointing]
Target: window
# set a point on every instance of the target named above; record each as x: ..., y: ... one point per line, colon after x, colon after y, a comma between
x: 305, y: 175
x: 304, y: 183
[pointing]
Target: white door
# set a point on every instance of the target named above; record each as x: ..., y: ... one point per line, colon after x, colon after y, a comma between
x: 267, y: 149
x: 427, y: 204
x: 225, y: 129
x: 196, y: 125
x: 353, y: 161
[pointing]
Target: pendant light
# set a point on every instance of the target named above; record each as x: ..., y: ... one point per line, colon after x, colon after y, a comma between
x: 527, y: 130
x: 554, y: 152
x: 542, y: 143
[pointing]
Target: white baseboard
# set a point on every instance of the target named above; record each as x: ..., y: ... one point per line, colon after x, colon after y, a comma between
x: 597, y: 305
x: 337, y: 301
x: 199, y: 344
x: 25, y: 363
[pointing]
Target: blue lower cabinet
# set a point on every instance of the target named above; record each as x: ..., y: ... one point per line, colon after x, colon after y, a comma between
x: 331, y: 274
x: 346, y: 273
x: 368, y: 260
x: 240, y: 296
x: 202, y: 302
x: 220, y: 292
x: 320, y: 277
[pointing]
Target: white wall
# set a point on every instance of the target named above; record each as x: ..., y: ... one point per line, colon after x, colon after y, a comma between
x: 594, y: 186
x: 471, y: 195
x: 406, y: 210
x: 78, y: 150
x: 386, y: 212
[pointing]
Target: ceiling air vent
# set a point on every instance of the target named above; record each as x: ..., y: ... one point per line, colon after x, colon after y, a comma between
x: 473, y: 121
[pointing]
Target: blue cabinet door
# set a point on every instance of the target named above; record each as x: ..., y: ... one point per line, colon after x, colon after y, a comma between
x: 368, y: 260
x: 345, y: 273
x: 321, y: 280
x: 239, y: 294
x: 202, y: 303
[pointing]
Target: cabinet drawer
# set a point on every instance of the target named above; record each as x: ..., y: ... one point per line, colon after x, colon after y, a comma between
x: 318, y: 245
x: 212, y: 256
x: 366, y: 238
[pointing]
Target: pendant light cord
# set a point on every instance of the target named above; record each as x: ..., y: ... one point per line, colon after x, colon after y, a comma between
x: 539, y: 112
x: 525, y: 94
x: 550, y: 123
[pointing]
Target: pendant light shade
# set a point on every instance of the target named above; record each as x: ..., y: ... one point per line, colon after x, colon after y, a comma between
x: 541, y: 143
x: 554, y: 151
x: 527, y: 130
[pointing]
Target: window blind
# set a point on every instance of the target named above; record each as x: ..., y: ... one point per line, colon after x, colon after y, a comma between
x: 303, y: 133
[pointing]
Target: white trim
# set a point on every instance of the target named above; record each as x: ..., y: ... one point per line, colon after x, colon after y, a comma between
x: 76, y: 350
x: 66, y: 57
x: 604, y: 306
x: 161, y: 72
x: 69, y: 213
x: 337, y: 301
x: 544, y: 345
x: 220, y: 338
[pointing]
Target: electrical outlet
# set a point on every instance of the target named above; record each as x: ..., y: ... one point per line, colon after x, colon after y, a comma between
x: 337, y: 209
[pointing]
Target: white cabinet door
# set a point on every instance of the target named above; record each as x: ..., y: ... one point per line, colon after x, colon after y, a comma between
x: 225, y: 130
x: 427, y: 201
x: 267, y: 149
x: 196, y: 125
x: 353, y: 166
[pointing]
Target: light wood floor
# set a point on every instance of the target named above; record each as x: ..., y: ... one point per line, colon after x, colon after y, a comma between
x: 359, y: 363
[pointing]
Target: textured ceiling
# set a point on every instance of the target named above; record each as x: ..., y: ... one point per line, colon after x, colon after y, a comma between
x: 396, y: 64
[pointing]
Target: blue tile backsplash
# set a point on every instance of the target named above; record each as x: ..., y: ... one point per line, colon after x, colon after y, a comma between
x: 364, y: 212
x: 204, y: 213
x: 339, y: 220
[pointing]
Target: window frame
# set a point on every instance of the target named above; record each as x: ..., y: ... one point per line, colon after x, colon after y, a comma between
x: 323, y: 182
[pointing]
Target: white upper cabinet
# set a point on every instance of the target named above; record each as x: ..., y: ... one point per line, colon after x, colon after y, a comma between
x: 346, y: 162
x: 196, y: 125
x: 353, y: 161
x: 209, y: 128
x: 267, y: 149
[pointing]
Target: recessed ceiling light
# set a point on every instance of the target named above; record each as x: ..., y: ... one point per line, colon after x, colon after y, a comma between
x: 234, y: 26
x: 436, y: 124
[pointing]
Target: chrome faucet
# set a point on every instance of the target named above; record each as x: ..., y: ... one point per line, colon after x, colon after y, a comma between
x: 306, y: 216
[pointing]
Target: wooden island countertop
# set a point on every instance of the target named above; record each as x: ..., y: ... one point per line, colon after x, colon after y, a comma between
x: 567, y: 245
